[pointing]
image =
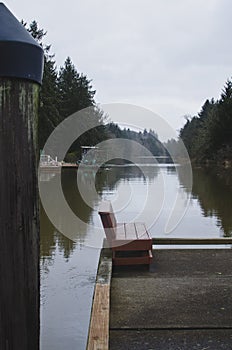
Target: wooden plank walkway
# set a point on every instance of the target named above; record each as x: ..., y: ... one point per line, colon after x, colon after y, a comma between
x: 99, y: 324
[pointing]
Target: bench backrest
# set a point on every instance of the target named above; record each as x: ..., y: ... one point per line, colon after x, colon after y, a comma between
x: 108, y: 219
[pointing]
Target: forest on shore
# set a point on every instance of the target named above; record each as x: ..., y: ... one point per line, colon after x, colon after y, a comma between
x: 65, y: 91
x: 208, y: 136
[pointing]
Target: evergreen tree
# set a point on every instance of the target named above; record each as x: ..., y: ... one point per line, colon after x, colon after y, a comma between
x: 224, y: 127
x: 148, y: 139
x: 75, y: 90
x: 63, y: 94
x: 209, y: 135
x: 49, y: 116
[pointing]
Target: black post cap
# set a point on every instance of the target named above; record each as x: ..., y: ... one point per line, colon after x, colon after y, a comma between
x: 20, y: 55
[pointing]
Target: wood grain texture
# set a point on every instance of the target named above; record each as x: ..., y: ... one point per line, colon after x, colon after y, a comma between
x: 99, y: 325
x: 19, y: 220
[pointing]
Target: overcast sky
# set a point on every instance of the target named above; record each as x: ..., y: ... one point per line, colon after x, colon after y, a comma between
x: 166, y: 55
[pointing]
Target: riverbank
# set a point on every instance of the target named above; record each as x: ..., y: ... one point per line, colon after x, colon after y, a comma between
x: 220, y: 163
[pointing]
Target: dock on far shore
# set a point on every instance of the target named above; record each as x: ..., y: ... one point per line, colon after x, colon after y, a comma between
x: 182, y: 301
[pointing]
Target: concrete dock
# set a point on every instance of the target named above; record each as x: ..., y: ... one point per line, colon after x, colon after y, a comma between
x: 183, y: 301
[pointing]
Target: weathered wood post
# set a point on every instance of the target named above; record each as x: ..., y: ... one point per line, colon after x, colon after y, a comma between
x: 21, y: 65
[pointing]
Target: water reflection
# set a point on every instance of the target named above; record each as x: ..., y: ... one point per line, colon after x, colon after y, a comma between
x: 68, y: 270
x: 50, y: 238
x: 106, y: 181
x: 68, y: 267
x: 71, y: 215
x: 213, y: 190
x: 115, y: 175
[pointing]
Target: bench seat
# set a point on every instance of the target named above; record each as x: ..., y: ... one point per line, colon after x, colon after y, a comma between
x: 131, y: 243
x: 133, y: 234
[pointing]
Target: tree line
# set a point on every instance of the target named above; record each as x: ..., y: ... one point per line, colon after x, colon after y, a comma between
x: 148, y: 139
x: 65, y: 91
x: 208, y: 136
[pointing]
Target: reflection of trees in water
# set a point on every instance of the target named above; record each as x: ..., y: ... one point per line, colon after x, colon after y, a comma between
x: 73, y: 196
x: 226, y: 176
x: 171, y: 170
x: 184, y: 178
x: 115, y: 174
x: 50, y: 238
x: 214, y: 194
x: 105, y: 180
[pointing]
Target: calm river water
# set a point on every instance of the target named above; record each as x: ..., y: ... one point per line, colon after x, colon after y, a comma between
x: 68, y: 267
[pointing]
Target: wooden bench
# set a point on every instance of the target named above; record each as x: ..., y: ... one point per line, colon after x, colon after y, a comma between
x: 131, y: 244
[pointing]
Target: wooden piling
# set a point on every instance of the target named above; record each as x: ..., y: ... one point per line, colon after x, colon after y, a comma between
x: 19, y: 220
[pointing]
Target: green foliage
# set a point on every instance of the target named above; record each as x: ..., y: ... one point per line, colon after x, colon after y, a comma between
x: 66, y: 91
x: 208, y: 136
x: 71, y: 157
x: 174, y: 149
x: 149, y: 139
x: 75, y: 91
x: 49, y: 116
x: 63, y: 93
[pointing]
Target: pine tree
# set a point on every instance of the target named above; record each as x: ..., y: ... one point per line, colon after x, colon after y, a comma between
x: 64, y: 94
x: 222, y: 130
x: 49, y: 116
x: 209, y: 135
x: 75, y: 90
